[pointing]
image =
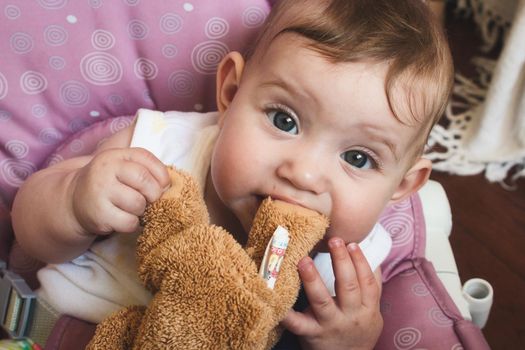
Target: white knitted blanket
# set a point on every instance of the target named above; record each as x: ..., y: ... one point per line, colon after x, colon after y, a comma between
x: 489, y: 135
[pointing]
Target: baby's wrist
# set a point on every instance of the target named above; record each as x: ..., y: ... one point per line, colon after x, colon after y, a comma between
x: 74, y: 211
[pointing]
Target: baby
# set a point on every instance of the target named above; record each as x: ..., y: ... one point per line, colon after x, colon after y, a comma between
x: 330, y: 110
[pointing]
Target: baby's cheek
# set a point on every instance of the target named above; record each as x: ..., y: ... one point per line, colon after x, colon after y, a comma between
x: 349, y: 228
x: 223, y: 168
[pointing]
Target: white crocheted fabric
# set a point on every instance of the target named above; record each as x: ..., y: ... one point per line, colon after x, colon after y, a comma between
x: 488, y: 135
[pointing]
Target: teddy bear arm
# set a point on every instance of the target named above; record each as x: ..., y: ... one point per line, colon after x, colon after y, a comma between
x: 305, y: 228
x: 180, y: 207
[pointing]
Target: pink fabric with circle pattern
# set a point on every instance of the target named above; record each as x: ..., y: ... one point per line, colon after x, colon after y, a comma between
x: 65, y: 64
x: 418, y: 313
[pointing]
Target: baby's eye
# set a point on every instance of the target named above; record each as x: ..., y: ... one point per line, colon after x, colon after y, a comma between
x: 283, y: 121
x: 358, y: 159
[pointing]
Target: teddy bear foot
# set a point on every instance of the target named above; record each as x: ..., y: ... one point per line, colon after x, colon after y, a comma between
x: 118, y: 331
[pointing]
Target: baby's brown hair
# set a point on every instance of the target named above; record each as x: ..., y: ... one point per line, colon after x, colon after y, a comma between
x: 403, y: 33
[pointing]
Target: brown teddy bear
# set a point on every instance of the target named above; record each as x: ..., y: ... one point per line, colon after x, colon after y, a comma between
x: 207, y: 292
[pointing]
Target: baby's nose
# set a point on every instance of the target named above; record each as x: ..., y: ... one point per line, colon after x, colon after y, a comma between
x: 305, y: 173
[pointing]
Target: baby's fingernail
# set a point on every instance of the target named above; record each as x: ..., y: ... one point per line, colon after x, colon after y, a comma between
x: 166, y: 188
x: 352, y: 246
x: 304, y: 264
x: 335, y: 242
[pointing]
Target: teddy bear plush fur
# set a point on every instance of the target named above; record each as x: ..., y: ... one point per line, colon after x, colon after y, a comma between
x: 207, y: 292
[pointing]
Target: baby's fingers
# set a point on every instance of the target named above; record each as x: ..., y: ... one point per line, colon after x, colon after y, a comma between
x: 347, y: 287
x: 110, y: 218
x: 369, y: 285
x: 320, y: 300
x: 141, y: 179
x: 122, y: 221
x: 301, y: 324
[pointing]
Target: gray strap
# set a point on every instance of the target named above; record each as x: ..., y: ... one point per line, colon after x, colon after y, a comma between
x: 43, y: 320
x: 22, y: 314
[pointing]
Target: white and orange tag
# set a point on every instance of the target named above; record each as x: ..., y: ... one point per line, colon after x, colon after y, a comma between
x: 274, y: 255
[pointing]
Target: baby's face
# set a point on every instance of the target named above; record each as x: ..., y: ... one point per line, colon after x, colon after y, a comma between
x: 314, y: 133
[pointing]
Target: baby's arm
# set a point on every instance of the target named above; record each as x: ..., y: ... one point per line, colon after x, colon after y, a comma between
x: 352, y: 319
x: 59, y: 211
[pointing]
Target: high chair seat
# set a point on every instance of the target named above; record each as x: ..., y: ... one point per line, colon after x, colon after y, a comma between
x: 74, y: 72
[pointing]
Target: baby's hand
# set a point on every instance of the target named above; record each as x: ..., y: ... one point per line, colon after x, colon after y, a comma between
x: 112, y: 190
x: 352, y: 319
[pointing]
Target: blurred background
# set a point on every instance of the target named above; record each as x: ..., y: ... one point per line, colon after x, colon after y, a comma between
x: 488, y: 232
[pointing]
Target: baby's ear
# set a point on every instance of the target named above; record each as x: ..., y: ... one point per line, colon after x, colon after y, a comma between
x: 229, y: 75
x: 413, y: 180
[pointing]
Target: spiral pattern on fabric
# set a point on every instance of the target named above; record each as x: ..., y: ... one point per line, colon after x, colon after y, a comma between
x: 137, y: 30
x: 55, y: 35
x: 52, y: 4
x: 115, y: 99
x: 101, y: 68
x: 3, y: 86
x: 77, y: 124
x: 145, y: 69
x: 420, y: 290
x: 50, y: 136
x: 21, y: 43
x: 438, y: 318
x: 76, y: 146
x: 119, y: 123
x: 181, y: 83
x: 38, y: 110
x: 406, y: 338
x: 102, y: 39
x: 216, y: 28
x: 171, y: 23
x: 95, y: 3
x: 207, y: 55
x: 169, y: 50
x: 57, y: 62
x: 399, y: 227
x: 74, y: 93
x: 15, y: 171
x: 403, y: 205
x: 17, y: 148
x: 54, y: 159
x: 5, y: 115
x: 253, y: 17
x: 12, y: 12
x: 33, y: 82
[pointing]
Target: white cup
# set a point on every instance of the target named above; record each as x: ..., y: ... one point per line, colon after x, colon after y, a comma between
x: 479, y: 295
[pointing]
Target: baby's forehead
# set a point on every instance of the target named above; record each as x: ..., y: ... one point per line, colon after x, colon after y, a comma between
x: 407, y: 97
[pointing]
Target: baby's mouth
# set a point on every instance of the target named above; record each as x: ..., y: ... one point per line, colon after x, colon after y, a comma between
x: 254, y: 206
x: 258, y: 201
